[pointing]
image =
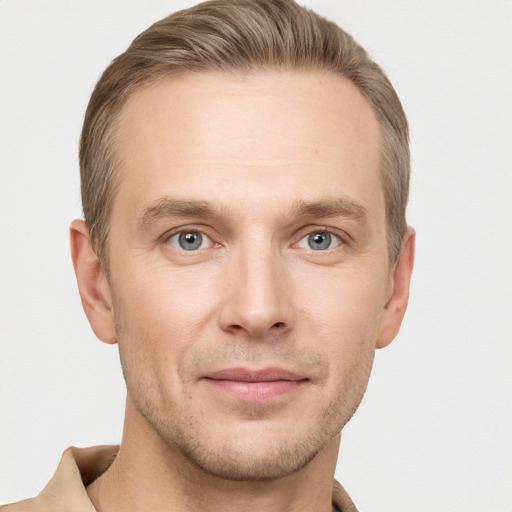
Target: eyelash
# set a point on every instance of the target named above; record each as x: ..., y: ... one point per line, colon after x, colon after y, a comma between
x: 187, y: 230
x: 341, y: 239
x: 332, y: 237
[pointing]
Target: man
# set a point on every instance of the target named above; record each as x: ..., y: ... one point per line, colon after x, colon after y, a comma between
x: 245, y: 173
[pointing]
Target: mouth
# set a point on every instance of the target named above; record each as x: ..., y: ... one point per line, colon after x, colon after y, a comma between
x: 255, y: 385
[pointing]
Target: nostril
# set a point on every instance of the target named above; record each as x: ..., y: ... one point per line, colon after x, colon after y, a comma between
x: 278, y: 324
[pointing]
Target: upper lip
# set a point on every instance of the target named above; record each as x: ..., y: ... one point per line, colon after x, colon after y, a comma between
x: 247, y: 375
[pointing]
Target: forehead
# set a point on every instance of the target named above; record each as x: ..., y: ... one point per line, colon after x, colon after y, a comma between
x: 254, y: 133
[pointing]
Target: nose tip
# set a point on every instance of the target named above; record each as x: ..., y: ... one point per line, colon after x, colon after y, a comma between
x: 257, y: 303
x: 256, y: 326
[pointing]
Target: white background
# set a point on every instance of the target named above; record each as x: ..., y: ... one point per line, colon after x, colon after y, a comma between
x: 434, y: 433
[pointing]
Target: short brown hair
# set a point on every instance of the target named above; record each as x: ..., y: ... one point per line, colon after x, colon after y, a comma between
x: 231, y: 35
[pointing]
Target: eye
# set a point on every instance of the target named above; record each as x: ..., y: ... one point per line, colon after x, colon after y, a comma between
x: 190, y: 240
x: 320, y: 241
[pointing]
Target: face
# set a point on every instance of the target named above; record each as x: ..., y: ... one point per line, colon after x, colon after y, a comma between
x: 249, y: 271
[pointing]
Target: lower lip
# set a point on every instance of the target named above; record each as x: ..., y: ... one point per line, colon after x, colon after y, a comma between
x: 255, y: 391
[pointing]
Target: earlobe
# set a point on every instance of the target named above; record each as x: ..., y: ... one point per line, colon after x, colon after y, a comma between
x: 92, y: 283
x: 398, y: 291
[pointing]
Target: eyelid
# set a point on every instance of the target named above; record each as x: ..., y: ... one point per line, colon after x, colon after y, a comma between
x: 205, y: 240
x: 343, y: 237
x: 339, y: 242
x: 189, y: 228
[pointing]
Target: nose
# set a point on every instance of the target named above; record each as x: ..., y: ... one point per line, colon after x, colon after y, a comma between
x: 257, y: 300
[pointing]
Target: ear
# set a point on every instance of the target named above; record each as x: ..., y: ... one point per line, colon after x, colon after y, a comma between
x: 92, y: 283
x: 397, y: 295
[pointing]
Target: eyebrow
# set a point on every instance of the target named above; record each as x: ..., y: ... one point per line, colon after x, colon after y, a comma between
x: 167, y: 207
x: 341, y: 207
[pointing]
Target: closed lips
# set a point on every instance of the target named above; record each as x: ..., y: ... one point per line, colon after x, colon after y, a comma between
x: 263, y: 375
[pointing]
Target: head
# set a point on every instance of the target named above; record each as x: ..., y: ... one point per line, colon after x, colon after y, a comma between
x: 245, y: 178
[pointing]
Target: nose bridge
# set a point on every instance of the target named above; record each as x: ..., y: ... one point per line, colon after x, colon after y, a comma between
x: 257, y: 300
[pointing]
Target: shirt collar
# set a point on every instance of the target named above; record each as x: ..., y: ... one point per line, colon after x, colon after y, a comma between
x: 81, y: 466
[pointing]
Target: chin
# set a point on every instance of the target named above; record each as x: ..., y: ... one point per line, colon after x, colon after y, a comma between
x: 264, y: 462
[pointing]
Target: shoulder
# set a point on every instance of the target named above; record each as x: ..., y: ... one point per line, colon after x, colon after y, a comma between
x: 29, y: 505
x: 66, y: 490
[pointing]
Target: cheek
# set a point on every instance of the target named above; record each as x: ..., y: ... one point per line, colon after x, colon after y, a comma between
x: 342, y: 314
x: 165, y: 307
x: 158, y: 321
x: 345, y: 305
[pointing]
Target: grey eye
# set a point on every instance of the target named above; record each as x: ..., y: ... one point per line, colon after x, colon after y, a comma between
x: 320, y: 241
x: 189, y: 240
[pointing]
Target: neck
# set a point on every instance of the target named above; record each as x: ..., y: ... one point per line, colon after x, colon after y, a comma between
x: 150, y: 475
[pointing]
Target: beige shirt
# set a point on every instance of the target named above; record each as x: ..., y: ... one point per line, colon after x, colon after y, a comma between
x: 80, y: 466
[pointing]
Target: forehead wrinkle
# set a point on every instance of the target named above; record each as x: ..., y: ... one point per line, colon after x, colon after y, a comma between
x: 340, y: 207
x: 167, y: 207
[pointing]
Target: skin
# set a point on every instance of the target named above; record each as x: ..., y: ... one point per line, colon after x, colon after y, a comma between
x: 256, y: 163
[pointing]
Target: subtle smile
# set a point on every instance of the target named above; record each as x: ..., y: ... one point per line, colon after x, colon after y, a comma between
x: 255, y: 385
